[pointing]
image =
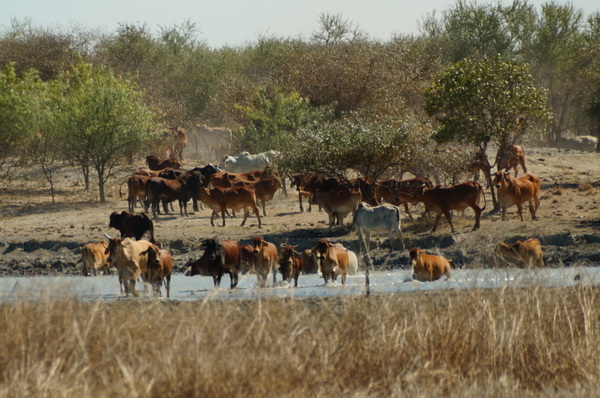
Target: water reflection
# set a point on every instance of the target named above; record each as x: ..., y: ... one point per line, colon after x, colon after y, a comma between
x: 197, y: 288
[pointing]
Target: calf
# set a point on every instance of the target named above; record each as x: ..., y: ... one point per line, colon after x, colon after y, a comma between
x: 516, y: 191
x: 132, y: 225
x: 368, y: 219
x: 429, y: 267
x: 94, y: 258
x: 442, y: 200
x: 221, y: 199
x: 528, y: 253
x: 160, y: 268
x: 265, y: 260
x: 290, y: 263
x: 127, y: 257
x: 333, y: 260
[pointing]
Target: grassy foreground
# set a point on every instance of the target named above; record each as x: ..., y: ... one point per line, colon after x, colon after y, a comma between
x: 511, y: 342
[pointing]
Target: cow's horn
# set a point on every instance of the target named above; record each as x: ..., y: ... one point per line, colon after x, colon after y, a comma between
x: 107, y: 237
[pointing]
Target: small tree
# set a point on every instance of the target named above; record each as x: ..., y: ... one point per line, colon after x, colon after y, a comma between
x: 479, y: 101
x: 107, y: 123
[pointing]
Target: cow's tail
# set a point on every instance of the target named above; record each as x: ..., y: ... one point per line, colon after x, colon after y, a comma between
x: 484, y: 200
x: 121, y: 187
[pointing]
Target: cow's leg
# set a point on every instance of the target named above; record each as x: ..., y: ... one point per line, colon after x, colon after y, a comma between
x: 223, y: 216
x: 246, y: 213
x: 449, y: 218
x: 234, y: 279
x: 478, y: 211
x: 520, y: 210
x: 407, y: 212
x: 264, y: 210
x: 274, y: 270
x: 437, y: 220
x: 257, y: 214
x: 300, y: 201
x: 532, y: 209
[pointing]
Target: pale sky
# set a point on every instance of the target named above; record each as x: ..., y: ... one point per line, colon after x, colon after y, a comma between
x: 238, y: 22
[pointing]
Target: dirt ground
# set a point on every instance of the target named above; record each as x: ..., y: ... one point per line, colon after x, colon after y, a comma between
x: 41, y: 238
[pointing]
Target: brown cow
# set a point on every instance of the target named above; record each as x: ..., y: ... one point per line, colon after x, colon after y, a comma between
x: 516, y: 191
x: 337, y: 203
x: 155, y: 163
x: 183, y: 188
x: 94, y: 258
x: 333, y: 260
x: 290, y: 263
x: 265, y: 189
x: 265, y: 260
x: 219, y: 257
x: 224, y: 179
x: 402, y: 192
x: 221, y: 199
x: 136, y: 190
x: 441, y: 200
x: 310, y: 263
x: 160, y: 268
x: 526, y: 253
x: 511, y: 159
x: 429, y: 267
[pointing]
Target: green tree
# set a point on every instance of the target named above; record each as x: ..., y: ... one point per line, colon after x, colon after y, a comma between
x: 108, y: 122
x: 13, y: 108
x: 482, y: 100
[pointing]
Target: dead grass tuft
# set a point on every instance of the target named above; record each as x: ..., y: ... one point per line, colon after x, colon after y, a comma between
x: 470, y: 343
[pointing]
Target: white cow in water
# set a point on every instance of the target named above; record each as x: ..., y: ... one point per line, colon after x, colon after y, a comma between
x: 384, y: 217
x: 246, y: 162
x: 209, y: 142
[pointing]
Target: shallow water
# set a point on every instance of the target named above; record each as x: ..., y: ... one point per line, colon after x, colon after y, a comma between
x: 199, y: 288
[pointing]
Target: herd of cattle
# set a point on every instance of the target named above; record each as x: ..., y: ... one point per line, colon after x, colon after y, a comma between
x: 374, y: 207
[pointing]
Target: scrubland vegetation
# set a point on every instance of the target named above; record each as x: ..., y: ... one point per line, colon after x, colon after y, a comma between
x: 508, y: 342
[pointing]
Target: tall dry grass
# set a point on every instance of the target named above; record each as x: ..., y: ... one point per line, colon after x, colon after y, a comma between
x: 511, y: 342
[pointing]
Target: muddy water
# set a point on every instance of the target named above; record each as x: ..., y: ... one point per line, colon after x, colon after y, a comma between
x: 199, y: 288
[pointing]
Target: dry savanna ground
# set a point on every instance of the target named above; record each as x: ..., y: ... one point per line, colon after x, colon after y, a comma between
x: 38, y: 237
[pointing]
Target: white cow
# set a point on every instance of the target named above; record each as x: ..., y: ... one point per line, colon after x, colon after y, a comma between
x: 375, y: 218
x: 210, y: 142
x: 246, y: 162
x: 586, y: 143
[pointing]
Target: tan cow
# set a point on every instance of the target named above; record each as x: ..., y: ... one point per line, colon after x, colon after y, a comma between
x: 221, y: 199
x: 265, y: 260
x: 512, y: 158
x: 337, y: 203
x: 94, y: 258
x: 528, y: 253
x: 160, y: 268
x: 333, y: 259
x: 429, y: 267
x: 127, y: 257
x: 516, y: 191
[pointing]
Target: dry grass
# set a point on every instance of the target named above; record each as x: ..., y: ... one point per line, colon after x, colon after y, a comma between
x: 511, y: 342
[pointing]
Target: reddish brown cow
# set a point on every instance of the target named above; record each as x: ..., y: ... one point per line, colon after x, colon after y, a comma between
x: 337, y: 203
x: 221, y: 199
x: 402, y: 192
x: 511, y: 159
x: 265, y: 189
x: 333, y: 259
x: 136, y: 190
x: 223, y: 179
x: 290, y: 263
x: 516, y: 191
x: 265, y: 260
x: 160, y: 268
x: 428, y: 267
x: 94, y: 258
x: 182, y: 189
x: 220, y: 256
x: 155, y: 163
x: 441, y: 200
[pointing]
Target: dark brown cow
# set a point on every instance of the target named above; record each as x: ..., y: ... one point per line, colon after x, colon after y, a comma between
x: 290, y: 263
x: 265, y: 260
x: 155, y: 163
x: 219, y: 257
x: 516, y: 191
x: 512, y: 158
x: 160, y: 268
x: 221, y: 199
x: 337, y: 203
x: 181, y: 189
x: 402, y: 192
x: 428, y: 267
x: 441, y: 200
x: 132, y: 225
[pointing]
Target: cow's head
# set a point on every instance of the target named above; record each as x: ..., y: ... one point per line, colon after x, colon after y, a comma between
x: 214, y: 249
x: 114, y: 245
x: 321, y: 249
x: 115, y: 220
x: 501, y: 179
x: 287, y: 260
x: 258, y: 243
x: 414, y: 253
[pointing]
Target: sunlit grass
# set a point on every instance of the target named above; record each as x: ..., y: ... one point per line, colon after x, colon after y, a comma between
x: 508, y: 342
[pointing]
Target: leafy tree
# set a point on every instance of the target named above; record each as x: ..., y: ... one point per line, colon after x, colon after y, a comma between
x: 482, y: 100
x: 12, y: 108
x: 108, y: 122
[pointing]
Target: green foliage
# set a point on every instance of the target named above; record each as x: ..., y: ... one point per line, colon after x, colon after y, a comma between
x: 367, y: 147
x: 274, y: 118
x: 480, y: 100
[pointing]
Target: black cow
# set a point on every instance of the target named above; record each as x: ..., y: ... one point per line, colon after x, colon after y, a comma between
x: 183, y: 188
x: 132, y: 225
